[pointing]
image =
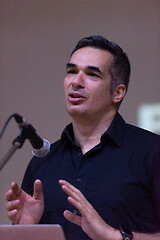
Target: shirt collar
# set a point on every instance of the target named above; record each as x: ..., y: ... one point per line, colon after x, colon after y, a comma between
x: 67, y: 134
x: 114, y: 132
x: 116, y: 129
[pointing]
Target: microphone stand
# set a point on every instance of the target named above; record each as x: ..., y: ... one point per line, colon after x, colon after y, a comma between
x: 17, y: 143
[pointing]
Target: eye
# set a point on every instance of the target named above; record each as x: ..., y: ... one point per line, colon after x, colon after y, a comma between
x: 71, y: 71
x: 92, y: 74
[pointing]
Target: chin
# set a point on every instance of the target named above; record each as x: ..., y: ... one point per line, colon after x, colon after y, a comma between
x: 75, y: 112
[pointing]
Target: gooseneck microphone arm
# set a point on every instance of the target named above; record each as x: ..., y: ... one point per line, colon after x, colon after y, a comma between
x: 28, y: 132
x: 40, y: 146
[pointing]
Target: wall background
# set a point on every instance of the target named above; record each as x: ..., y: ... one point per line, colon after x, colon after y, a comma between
x: 36, y: 38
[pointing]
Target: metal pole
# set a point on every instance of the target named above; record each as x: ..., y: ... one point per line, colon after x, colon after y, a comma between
x: 9, y: 154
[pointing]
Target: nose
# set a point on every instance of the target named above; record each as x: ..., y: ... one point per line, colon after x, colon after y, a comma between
x: 78, y: 80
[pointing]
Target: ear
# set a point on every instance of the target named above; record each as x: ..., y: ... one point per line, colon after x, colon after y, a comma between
x: 119, y: 93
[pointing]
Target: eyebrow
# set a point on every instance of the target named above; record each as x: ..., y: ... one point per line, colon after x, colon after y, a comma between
x: 96, y: 69
x: 72, y: 65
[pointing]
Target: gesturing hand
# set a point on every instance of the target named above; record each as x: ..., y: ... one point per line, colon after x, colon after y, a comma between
x: 23, y: 208
x: 90, y: 221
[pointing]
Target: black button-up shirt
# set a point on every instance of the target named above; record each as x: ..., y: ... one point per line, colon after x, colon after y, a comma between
x: 120, y: 177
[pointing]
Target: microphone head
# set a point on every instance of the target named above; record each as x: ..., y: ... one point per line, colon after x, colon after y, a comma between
x: 18, y: 118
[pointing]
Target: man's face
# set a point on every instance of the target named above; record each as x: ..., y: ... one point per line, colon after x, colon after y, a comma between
x: 87, y: 83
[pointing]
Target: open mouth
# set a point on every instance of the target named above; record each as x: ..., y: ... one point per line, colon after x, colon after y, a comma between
x: 75, y: 97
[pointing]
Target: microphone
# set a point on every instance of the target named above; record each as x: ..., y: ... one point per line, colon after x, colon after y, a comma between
x: 41, y: 147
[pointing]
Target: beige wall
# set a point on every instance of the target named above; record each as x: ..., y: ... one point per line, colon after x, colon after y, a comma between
x: 36, y: 37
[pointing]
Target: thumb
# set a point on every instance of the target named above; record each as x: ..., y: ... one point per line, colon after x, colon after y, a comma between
x: 38, y: 189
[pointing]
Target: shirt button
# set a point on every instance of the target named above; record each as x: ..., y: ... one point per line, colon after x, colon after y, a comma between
x: 75, y: 211
x: 79, y: 179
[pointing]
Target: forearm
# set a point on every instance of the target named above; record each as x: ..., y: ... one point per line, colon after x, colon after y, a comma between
x: 136, y: 236
x: 142, y: 236
x: 114, y: 234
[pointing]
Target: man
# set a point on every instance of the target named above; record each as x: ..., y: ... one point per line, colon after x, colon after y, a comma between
x: 111, y: 169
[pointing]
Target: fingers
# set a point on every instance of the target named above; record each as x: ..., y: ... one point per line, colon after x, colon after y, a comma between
x: 11, y: 205
x: 71, y: 190
x: 72, y: 217
x: 13, y: 200
x: 76, y: 198
x: 38, y: 189
x: 14, y: 192
x: 12, y: 215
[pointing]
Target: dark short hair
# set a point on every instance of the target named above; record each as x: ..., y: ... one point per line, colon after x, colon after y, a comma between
x: 120, y: 69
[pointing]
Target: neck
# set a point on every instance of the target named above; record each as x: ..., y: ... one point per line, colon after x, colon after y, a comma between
x: 88, y: 133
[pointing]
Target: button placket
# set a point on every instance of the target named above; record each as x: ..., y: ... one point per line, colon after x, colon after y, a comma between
x: 79, y: 180
x: 75, y: 211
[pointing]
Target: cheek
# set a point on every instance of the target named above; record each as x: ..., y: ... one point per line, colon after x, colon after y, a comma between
x: 101, y: 97
x: 101, y: 93
x: 67, y: 81
x: 65, y: 84
x: 65, y: 90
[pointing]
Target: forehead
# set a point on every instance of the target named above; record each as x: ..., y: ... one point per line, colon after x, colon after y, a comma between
x: 89, y: 56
